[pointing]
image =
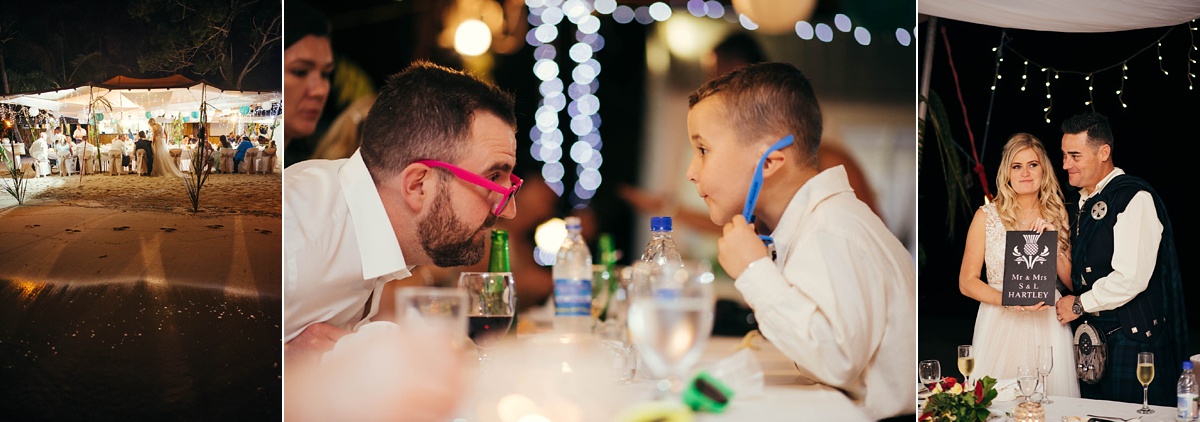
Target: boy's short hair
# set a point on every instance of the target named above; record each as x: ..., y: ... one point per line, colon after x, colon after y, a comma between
x: 769, y: 99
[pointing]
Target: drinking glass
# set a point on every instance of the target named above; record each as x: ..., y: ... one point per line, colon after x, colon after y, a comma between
x: 1045, y: 362
x: 492, y: 304
x: 671, y: 318
x: 966, y: 364
x: 438, y: 309
x: 1145, y: 374
x: 1027, y: 381
x: 930, y: 372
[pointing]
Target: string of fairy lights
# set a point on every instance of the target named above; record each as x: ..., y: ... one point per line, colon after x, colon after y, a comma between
x: 1090, y: 76
x: 577, y: 22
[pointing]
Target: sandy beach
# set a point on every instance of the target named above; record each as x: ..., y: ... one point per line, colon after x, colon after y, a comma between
x: 117, y: 302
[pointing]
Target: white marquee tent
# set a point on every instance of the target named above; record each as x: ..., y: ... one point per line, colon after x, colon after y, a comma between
x: 133, y: 97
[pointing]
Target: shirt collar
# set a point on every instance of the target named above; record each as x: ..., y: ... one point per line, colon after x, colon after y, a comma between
x: 1116, y: 171
x: 377, y: 244
x: 825, y: 184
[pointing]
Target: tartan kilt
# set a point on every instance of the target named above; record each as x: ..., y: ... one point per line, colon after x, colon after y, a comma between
x: 1120, y: 374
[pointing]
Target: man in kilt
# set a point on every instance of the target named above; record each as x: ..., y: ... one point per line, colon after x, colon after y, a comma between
x: 1124, y: 271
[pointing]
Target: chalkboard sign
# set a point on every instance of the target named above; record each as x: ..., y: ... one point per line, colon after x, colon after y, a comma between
x: 1030, y: 268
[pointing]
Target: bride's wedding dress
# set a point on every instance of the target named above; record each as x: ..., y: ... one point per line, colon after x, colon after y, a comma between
x: 1007, y: 339
x: 164, y: 165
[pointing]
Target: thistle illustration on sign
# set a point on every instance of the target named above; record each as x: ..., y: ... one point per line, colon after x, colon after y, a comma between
x: 1031, y: 256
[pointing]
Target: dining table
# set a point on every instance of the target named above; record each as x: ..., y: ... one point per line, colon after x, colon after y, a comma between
x: 549, y: 377
x: 1074, y: 409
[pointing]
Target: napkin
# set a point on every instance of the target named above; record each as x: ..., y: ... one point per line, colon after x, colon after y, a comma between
x: 1007, y: 390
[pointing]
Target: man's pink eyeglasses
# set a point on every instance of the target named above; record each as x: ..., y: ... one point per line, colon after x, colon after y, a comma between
x: 478, y: 180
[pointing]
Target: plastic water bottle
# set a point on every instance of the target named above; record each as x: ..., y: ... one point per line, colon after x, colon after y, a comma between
x: 573, y: 283
x: 661, y: 250
x: 1185, y: 394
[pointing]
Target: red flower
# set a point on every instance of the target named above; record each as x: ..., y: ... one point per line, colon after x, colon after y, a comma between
x: 978, y: 392
x: 948, y: 383
x: 927, y: 416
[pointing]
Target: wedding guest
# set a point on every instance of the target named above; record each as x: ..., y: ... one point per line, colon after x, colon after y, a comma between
x: 240, y: 155
x: 79, y: 134
x: 66, y: 157
x: 144, y: 144
x: 116, y: 150
x: 1125, y: 269
x: 41, y: 156
x: 837, y: 295
x: 1028, y: 198
x: 355, y: 224
x: 308, y: 66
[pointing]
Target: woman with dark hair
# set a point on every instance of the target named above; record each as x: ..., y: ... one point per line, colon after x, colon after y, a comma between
x: 308, y: 66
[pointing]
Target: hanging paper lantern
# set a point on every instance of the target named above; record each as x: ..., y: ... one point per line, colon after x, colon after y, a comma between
x: 187, y: 119
x: 149, y: 115
x: 33, y: 111
x: 195, y: 114
x: 244, y: 110
x: 775, y: 16
x: 99, y: 117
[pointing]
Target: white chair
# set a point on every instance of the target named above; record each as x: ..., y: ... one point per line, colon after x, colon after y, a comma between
x: 114, y: 161
x: 226, y: 165
x: 250, y: 161
x: 141, y: 162
x: 267, y: 160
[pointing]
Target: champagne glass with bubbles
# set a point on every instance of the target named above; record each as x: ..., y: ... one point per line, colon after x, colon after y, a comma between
x: 966, y: 363
x: 1045, y: 363
x: 671, y: 318
x: 1145, y: 375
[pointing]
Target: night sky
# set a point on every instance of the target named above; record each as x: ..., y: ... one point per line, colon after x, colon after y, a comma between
x: 49, y: 41
x: 1154, y: 135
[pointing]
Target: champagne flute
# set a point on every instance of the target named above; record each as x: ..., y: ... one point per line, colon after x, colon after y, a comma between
x: 670, y: 319
x: 492, y: 305
x: 1045, y: 363
x: 1145, y: 374
x: 930, y: 372
x: 1027, y: 381
x: 966, y: 364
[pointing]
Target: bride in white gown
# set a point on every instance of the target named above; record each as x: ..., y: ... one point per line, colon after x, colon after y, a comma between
x: 1028, y: 198
x: 164, y: 165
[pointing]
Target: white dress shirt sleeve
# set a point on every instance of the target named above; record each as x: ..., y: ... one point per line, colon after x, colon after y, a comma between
x: 1135, y: 242
x: 829, y: 328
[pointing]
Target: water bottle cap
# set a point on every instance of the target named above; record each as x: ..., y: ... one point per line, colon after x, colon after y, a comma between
x: 1187, y: 365
x: 660, y: 224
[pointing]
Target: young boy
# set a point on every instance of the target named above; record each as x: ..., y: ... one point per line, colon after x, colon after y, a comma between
x: 839, y: 297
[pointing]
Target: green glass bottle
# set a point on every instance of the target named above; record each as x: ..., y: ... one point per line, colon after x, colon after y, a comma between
x: 605, y: 281
x: 498, y: 263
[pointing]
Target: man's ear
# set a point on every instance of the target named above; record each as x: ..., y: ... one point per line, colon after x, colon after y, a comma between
x: 416, y: 184
x: 1105, y: 152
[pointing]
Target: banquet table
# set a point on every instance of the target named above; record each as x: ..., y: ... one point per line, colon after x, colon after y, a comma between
x: 784, y: 396
x: 1063, y: 408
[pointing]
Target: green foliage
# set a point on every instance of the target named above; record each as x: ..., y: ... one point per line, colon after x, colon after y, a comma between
x: 964, y: 406
x: 954, y: 170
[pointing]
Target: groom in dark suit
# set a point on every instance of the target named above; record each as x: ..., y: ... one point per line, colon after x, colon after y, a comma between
x: 144, y: 144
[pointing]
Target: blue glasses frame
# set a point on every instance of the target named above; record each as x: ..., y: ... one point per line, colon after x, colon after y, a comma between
x: 756, y: 184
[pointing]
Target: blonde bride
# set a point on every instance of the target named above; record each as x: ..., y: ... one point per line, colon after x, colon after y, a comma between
x: 164, y: 165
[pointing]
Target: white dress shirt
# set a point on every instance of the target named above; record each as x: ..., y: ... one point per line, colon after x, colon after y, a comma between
x: 839, y: 300
x: 339, y: 247
x: 1135, y: 242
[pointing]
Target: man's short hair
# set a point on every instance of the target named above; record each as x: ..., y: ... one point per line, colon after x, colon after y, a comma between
x: 1095, y: 124
x: 425, y: 113
x: 768, y: 99
x: 141, y: 134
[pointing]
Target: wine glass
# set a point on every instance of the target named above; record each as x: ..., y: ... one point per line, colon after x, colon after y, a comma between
x: 434, y: 309
x: 1027, y: 381
x: 1145, y: 374
x: 491, y: 308
x: 930, y: 372
x: 1045, y: 362
x: 966, y: 364
x: 670, y: 318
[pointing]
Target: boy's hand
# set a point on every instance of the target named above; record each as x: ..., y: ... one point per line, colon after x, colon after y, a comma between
x: 739, y: 246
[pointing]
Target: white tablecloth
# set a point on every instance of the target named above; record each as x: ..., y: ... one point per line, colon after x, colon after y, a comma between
x: 1065, y: 407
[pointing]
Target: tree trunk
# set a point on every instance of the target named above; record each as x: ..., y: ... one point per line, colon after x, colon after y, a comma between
x: 3, y: 72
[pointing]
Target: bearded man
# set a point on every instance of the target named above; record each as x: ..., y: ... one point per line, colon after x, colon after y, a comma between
x: 431, y: 177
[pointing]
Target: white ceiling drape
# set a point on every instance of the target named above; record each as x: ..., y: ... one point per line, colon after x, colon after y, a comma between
x: 1066, y: 15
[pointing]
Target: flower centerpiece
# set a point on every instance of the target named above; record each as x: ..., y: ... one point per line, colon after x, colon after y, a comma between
x: 952, y: 402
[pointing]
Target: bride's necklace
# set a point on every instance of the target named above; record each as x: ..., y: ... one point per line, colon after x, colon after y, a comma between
x: 1027, y: 218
